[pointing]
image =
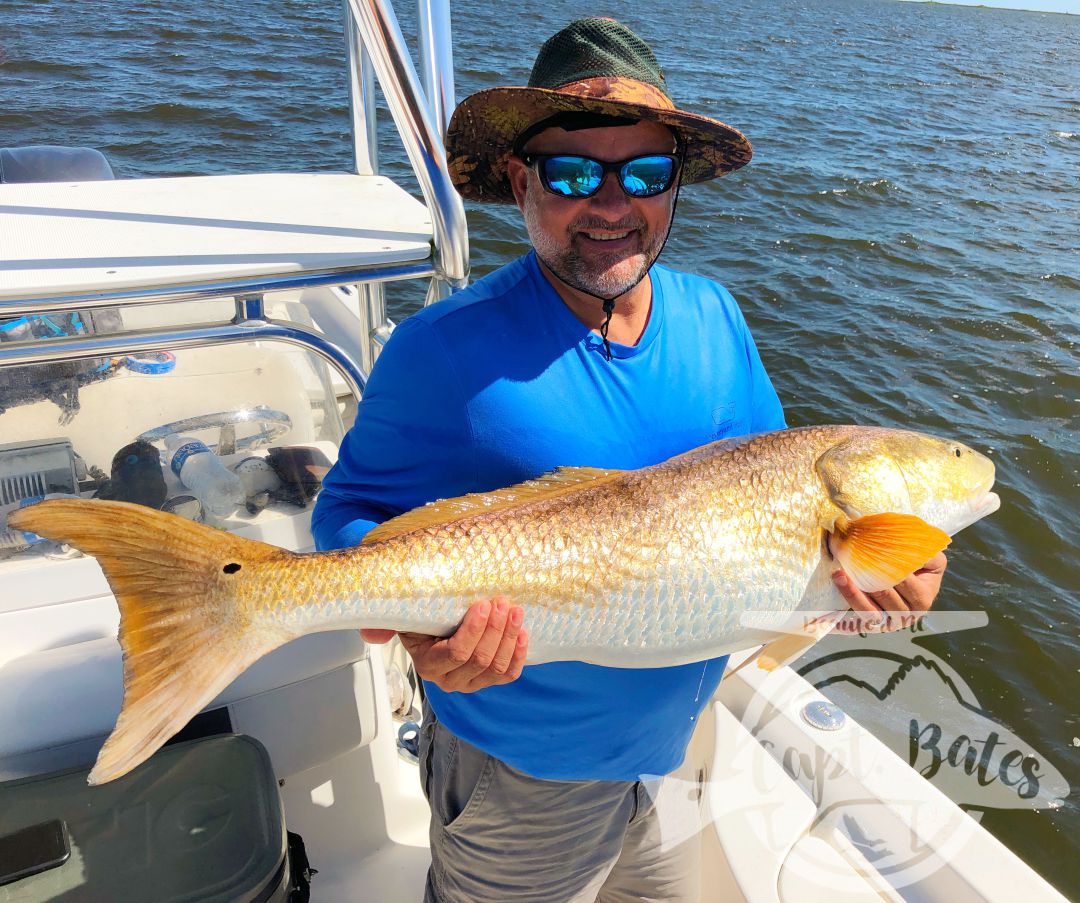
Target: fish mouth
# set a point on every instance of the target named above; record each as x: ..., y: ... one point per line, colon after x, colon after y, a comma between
x: 985, y: 503
x: 978, y: 507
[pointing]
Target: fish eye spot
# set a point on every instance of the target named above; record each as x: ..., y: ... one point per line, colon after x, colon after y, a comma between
x: 231, y: 568
x: 957, y: 452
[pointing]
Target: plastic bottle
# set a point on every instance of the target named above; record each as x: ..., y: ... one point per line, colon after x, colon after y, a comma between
x: 201, y: 471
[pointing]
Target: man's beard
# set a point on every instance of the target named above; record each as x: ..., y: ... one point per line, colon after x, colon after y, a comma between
x: 600, y: 277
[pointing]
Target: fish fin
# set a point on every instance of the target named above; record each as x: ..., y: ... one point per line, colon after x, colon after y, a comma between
x: 183, y: 636
x: 880, y: 550
x: 785, y: 649
x: 552, y: 485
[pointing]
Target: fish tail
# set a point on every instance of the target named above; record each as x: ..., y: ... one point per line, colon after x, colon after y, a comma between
x: 184, y: 631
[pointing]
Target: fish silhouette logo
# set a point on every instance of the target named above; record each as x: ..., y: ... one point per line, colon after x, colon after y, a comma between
x: 923, y: 710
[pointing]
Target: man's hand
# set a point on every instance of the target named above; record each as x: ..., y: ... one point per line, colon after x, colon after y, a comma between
x: 910, y: 598
x: 488, y: 648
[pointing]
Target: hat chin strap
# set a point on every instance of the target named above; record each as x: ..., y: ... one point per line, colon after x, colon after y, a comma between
x: 609, y: 303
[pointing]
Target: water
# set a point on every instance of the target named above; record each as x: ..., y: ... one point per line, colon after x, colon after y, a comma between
x: 904, y: 244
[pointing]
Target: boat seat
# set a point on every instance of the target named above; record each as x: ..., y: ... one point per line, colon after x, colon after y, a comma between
x: 52, y: 163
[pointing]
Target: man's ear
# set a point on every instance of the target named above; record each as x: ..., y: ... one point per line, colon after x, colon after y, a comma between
x: 518, y: 174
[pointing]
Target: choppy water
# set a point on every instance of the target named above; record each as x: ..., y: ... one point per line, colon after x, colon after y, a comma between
x: 904, y: 244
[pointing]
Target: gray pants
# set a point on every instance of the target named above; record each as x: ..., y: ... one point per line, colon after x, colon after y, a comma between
x: 498, y: 835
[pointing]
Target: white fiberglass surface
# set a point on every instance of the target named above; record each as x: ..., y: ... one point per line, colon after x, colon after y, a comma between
x: 146, y: 233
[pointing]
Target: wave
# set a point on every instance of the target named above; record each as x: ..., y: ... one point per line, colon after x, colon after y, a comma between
x: 1062, y: 280
x: 864, y: 188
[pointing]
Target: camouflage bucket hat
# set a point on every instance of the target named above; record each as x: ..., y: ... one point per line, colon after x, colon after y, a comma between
x: 593, y: 66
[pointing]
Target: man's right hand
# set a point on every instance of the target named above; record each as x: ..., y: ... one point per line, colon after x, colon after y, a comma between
x: 488, y: 648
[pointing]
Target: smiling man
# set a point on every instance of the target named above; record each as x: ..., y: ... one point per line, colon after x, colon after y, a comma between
x: 584, y: 352
x: 601, y: 250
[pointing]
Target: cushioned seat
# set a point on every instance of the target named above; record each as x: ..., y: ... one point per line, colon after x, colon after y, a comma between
x: 51, y: 163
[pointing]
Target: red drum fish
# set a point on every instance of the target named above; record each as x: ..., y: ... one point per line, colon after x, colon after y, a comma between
x: 642, y: 568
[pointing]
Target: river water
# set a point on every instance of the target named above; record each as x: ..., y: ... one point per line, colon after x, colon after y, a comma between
x: 904, y: 243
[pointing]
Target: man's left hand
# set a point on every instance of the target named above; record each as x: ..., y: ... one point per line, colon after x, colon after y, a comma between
x: 894, y: 608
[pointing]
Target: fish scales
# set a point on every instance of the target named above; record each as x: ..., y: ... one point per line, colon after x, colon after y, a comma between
x: 657, y: 561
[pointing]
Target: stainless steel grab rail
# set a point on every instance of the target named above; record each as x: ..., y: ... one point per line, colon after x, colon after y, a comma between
x: 15, y: 307
x: 249, y: 325
x: 378, y: 27
x: 365, y: 133
x: 436, y: 59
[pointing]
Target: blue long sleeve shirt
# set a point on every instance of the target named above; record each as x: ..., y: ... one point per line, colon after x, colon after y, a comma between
x: 501, y: 383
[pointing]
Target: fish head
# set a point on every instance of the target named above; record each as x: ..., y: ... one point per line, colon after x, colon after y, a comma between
x: 943, y: 482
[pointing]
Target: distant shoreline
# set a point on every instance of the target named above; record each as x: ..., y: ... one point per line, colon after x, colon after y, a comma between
x: 1012, y: 9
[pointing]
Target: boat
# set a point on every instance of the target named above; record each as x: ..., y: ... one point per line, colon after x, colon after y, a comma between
x: 247, y: 310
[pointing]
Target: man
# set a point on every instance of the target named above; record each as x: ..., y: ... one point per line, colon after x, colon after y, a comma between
x: 581, y: 353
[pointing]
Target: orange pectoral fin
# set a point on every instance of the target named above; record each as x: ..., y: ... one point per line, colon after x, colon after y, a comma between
x: 880, y: 550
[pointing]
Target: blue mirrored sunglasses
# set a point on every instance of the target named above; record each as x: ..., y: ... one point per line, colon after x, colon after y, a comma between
x: 571, y: 176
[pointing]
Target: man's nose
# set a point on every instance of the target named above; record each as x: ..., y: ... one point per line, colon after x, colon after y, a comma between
x: 610, y: 199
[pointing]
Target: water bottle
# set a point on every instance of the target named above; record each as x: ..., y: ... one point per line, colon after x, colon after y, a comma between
x: 201, y: 471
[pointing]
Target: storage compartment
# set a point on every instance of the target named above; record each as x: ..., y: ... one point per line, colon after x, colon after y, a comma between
x: 198, y: 821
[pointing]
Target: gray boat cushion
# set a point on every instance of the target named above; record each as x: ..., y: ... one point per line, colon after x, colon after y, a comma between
x: 51, y: 163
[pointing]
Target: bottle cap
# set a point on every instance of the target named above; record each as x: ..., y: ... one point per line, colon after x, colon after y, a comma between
x: 186, y: 506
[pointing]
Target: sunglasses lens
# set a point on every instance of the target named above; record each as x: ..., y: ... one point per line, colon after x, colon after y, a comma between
x: 572, y: 177
x: 647, y: 176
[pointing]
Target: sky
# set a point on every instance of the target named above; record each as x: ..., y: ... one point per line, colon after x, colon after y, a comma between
x: 1047, y: 6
